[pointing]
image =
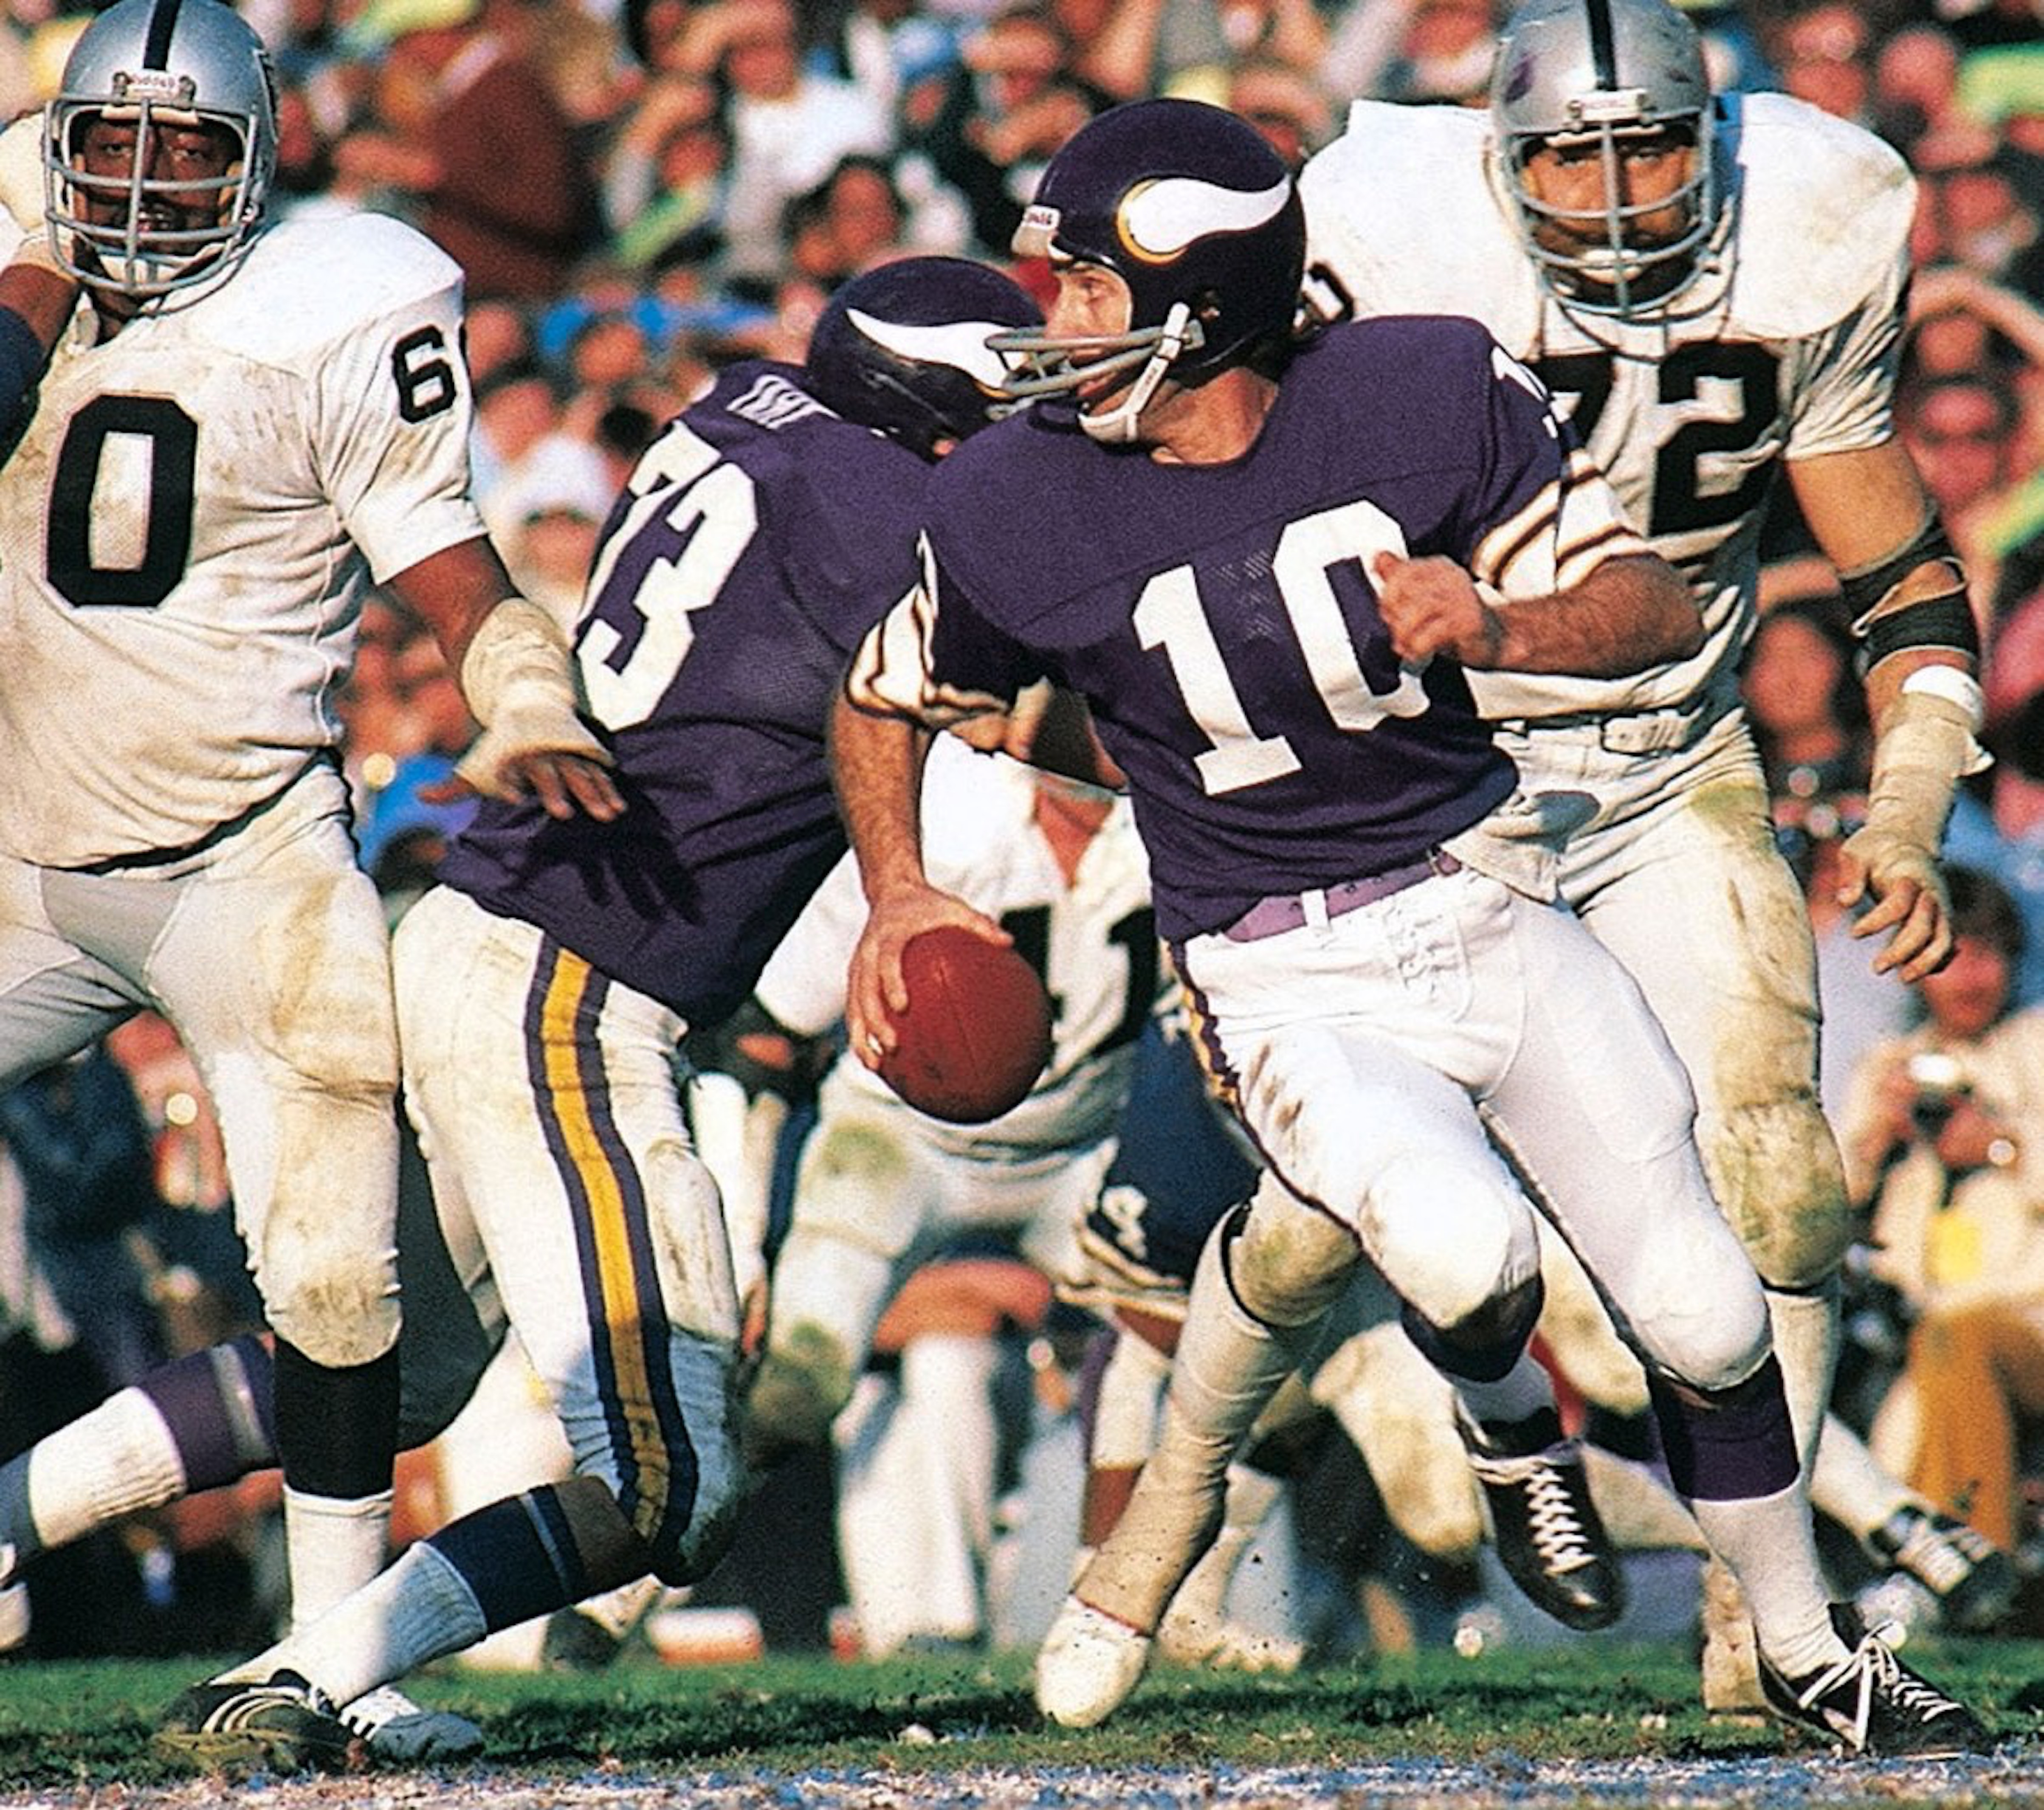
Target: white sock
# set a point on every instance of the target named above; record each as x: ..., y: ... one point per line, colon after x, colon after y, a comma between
x: 1251, y: 1495
x: 117, y: 1458
x: 420, y: 1609
x: 1806, y: 1332
x: 334, y: 1545
x: 1850, y: 1487
x: 1769, y: 1543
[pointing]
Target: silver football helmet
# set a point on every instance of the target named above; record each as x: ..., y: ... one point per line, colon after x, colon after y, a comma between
x: 152, y: 63
x: 1597, y: 72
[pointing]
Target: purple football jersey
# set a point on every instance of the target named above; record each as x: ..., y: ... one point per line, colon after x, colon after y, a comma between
x: 1221, y: 618
x: 757, y: 541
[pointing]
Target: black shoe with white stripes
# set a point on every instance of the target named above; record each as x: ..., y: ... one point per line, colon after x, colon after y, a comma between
x: 281, y: 1724
x: 1872, y: 1705
x: 1976, y: 1582
x: 1549, y: 1538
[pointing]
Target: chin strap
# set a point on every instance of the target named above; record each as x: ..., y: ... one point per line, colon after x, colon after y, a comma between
x: 1117, y: 426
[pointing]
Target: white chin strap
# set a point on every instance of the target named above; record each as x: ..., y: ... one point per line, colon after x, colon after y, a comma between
x: 1117, y: 426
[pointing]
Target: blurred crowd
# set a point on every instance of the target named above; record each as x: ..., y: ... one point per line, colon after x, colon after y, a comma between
x: 641, y: 190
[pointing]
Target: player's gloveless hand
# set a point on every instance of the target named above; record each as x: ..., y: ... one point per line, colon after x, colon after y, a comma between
x: 1431, y: 606
x: 875, y: 990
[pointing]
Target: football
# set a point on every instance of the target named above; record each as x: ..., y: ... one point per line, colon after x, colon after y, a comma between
x: 977, y: 1030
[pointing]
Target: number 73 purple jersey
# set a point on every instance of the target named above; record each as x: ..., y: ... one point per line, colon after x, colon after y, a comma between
x: 760, y: 537
x: 1221, y: 618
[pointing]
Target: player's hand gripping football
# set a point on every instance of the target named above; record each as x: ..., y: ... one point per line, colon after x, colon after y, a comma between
x: 876, y: 991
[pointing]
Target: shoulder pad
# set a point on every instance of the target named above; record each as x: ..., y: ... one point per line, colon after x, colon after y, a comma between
x: 1824, y: 211
x: 306, y: 282
x: 1403, y: 208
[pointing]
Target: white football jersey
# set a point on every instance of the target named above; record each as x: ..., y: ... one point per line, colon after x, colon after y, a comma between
x: 188, y: 524
x: 1784, y: 348
x: 1093, y: 942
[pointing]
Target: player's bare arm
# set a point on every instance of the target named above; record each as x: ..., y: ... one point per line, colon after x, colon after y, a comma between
x: 877, y: 761
x: 1906, y: 592
x: 517, y: 675
x: 1632, y: 612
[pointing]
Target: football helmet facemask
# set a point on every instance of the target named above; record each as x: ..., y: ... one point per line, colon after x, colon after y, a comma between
x: 156, y: 63
x: 1597, y: 73
x: 904, y: 349
x: 1195, y: 212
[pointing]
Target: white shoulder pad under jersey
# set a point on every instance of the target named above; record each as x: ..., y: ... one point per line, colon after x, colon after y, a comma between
x: 1824, y: 211
x: 188, y: 522
x: 309, y: 282
x: 1401, y: 208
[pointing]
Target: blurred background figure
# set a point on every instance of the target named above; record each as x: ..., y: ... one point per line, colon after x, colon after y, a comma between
x: 1944, y: 1140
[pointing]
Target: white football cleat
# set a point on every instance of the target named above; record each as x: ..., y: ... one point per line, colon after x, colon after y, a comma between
x: 1087, y: 1665
x: 400, y: 1732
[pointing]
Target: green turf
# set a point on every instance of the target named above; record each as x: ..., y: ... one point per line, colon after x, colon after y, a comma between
x: 85, y: 1723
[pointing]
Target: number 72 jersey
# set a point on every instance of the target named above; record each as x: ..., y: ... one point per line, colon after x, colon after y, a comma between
x: 188, y: 522
x: 1784, y: 347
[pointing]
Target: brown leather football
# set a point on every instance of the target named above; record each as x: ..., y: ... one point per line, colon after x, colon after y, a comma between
x: 976, y: 1031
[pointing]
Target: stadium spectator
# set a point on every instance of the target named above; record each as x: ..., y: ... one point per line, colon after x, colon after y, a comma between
x: 1944, y: 1136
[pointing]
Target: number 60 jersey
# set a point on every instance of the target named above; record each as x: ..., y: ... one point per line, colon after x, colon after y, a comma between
x: 1783, y: 347
x: 187, y: 524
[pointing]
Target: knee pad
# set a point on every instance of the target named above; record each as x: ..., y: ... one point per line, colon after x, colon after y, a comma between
x: 1287, y: 1262
x: 335, y: 1301
x: 1481, y: 1347
x: 1774, y: 1167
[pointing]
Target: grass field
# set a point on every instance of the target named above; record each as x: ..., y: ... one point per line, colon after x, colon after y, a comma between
x: 77, y: 1733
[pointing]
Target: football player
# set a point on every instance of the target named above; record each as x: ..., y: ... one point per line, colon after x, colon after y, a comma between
x: 880, y: 1187
x: 1259, y: 559
x: 545, y: 984
x: 1712, y: 287
x: 250, y: 423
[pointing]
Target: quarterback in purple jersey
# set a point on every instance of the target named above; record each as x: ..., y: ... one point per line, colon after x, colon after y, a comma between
x: 1263, y: 563
x: 544, y: 990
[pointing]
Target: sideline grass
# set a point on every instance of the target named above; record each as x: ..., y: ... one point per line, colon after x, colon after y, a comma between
x: 86, y: 1723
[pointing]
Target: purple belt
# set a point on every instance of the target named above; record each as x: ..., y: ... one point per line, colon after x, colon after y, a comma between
x: 1274, y: 916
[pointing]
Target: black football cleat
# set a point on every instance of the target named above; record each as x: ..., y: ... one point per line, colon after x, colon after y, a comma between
x: 281, y: 1724
x: 1549, y: 1538
x: 1874, y: 1707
